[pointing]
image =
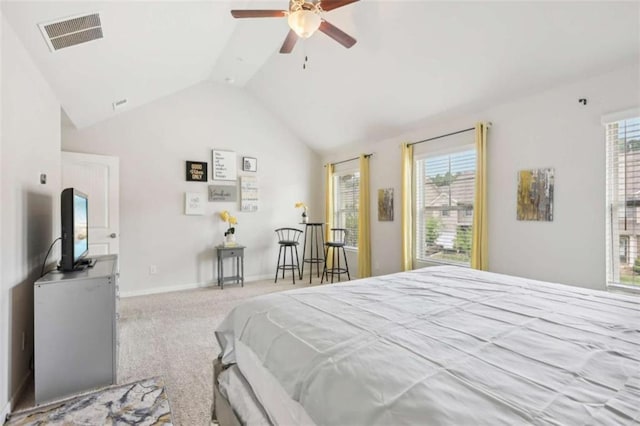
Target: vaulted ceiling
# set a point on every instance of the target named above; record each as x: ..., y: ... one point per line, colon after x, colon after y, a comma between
x: 413, y: 59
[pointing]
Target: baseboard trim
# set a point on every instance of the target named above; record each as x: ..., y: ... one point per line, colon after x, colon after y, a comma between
x: 191, y: 286
x: 8, y: 408
x: 5, y: 412
x: 167, y: 289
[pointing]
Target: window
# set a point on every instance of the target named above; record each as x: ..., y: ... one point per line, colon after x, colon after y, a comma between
x: 347, y: 197
x: 623, y: 202
x: 624, y: 249
x: 444, y: 194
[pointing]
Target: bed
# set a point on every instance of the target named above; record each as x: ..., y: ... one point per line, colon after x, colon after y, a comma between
x: 439, y: 345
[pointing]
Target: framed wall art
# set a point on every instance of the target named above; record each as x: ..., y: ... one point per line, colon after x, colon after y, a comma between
x: 223, y: 165
x: 223, y: 193
x: 249, y: 164
x: 194, y: 203
x: 197, y: 171
x: 535, y: 195
x: 248, y: 194
x: 385, y: 205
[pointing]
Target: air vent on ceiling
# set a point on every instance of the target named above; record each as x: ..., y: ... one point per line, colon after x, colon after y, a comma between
x: 71, y: 31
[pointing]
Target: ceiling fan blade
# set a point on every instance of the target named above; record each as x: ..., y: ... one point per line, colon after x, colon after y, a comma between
x: 334, y: 4
x: 337, y: 34
x: 289, y: 42
x: 258, y: 13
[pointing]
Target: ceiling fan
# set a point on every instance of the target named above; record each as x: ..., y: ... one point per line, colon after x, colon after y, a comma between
x: 304, y: 17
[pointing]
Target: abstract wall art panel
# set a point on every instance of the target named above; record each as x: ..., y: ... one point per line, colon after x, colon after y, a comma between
x: 535, y: 194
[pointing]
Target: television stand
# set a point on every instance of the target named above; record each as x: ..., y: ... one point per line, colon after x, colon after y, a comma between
x: 76, y: 330
x: 88, y: 262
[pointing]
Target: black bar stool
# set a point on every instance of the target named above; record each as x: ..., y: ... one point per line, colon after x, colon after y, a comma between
x: 338, y: 238
x: 314, y: 232
x: 288, y: 238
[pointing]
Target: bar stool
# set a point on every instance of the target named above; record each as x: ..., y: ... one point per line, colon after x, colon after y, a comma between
x: 314, y: 232
x: 288, y: 238
x: 338, y: 237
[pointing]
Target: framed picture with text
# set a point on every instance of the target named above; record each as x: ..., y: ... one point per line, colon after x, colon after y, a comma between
x: 224, y: 165
x: 249, y: 164
x: 197, y: 171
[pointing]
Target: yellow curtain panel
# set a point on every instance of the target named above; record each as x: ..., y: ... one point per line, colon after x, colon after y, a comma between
x: 479, y: 245
x: 407, y: 208
x: 328, y: 204
x: 364, y: 221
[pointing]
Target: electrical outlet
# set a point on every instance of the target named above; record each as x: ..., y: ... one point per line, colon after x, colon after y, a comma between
x: 153, y: 269
x: 24, y: 341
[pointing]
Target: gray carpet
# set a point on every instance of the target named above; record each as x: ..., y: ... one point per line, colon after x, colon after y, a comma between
x: 172, y: 335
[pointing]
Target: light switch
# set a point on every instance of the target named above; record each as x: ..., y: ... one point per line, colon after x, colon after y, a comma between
x: 43, y: 178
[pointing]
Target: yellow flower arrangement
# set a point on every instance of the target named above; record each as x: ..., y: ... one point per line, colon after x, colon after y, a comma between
x: 231, y: 220
x: 300, y: 204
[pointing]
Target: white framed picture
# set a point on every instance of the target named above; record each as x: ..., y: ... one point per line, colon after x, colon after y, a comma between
x: 223, y: 165
x: 194, y: 203
x: 249, y: 164
x: 248, y: 194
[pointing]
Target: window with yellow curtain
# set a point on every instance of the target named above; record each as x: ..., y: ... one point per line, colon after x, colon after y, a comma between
x: 444, y: 191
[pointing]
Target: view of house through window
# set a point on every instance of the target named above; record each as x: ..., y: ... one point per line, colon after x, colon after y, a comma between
x: 345, y: 214
x: 444, y: 196
x: 623, y: 202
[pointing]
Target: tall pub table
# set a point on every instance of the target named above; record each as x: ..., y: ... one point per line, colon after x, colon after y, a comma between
x: 236, y: 253
x: 314, y: 233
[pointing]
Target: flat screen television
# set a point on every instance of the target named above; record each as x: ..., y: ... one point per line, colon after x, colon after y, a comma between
x: 74, y: 208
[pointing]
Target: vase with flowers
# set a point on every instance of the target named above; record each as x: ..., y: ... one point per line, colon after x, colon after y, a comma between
x: 303, y: 206
x: 230, y: 233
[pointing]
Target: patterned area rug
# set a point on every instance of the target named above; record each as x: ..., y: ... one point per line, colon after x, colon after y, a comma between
x: 140, y: 403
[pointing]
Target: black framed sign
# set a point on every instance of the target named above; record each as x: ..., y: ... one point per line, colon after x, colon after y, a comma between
x: 196, y: 171
x: 249, y: 164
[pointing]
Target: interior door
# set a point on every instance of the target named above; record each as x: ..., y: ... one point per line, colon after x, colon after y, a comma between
x: 96, y: 176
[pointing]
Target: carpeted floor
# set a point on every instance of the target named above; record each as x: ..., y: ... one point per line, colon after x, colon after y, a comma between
x: 172, y: 335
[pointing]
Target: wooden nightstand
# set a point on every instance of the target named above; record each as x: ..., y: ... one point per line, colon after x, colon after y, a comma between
x: 230, y: 252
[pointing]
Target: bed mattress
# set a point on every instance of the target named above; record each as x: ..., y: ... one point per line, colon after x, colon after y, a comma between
x: 442, y: 345
x: 234, y: 387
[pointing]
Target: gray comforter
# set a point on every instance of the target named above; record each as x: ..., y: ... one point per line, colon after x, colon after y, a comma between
x: 440, y: 345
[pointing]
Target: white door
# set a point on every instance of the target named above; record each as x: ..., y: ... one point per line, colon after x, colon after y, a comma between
x: 96, y: 176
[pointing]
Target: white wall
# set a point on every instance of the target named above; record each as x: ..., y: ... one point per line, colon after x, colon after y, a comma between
x: 29, y: 216
x: 154, y: 141
x: 550, y: 129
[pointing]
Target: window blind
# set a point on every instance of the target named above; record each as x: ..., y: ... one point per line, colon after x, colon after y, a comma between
x: 444, y: 195
x: 346, y: 204
x: 623, y: 201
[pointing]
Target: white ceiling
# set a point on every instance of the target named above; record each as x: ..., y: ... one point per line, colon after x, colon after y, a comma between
x: 413, y: 59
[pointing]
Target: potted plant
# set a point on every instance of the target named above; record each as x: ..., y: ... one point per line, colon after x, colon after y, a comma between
x: 230, y: 233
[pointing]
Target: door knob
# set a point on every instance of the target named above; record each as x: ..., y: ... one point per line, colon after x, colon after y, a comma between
x: 113, y: 235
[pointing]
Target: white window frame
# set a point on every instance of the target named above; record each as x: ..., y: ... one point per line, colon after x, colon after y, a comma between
x: 419, y: 232
x: 336, y: 218
x: 613, y: 263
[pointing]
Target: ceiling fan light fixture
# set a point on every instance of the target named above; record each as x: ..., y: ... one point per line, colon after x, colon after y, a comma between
x: 304, y: 22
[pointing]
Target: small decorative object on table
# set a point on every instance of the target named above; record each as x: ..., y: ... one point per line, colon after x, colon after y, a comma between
x: 304, y: 212
x: 230, y: 233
